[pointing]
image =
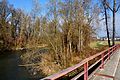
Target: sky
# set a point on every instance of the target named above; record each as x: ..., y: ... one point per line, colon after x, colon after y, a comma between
x: 102, y: 27
x: 26, y: 5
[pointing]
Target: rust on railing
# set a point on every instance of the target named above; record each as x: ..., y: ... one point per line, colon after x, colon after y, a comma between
x: 84, y: 63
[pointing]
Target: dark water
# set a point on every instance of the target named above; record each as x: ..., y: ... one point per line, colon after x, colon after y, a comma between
x: 9, y: 69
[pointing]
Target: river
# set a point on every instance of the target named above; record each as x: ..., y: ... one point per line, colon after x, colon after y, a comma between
x: 9, y: 69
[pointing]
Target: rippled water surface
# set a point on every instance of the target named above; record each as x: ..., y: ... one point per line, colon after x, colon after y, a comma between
x: 9, y: 69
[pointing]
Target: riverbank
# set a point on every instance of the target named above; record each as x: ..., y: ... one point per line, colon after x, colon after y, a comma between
x: 38, y: 63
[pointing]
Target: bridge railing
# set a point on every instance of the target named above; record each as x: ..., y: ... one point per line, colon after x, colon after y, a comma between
x: 104, y: 56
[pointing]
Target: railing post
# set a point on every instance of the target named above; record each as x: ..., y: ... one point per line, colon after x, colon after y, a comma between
x: 109, y: 54
x: 86, y: 71
x: 118, y: 46
x: 102, y: 62
x: 112, y: 50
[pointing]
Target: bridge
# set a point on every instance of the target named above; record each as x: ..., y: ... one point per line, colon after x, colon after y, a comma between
x: 105, y: 67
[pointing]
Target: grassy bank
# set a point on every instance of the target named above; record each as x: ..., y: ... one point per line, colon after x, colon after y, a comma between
x: 43, y: 62
x: 97, y: 44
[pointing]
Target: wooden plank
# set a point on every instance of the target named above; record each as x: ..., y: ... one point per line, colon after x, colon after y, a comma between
x: 98, y: 74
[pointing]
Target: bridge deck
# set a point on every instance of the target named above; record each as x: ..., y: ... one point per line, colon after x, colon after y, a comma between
x: 111, y: 69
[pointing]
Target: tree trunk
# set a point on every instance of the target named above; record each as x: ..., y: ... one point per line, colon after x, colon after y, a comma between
x: 79, y: 44
x: 106, y: 22
x: 65, y: 49
x: 114, y: 11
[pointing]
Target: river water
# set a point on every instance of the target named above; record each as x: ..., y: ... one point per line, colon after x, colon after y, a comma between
x: 9, y: 69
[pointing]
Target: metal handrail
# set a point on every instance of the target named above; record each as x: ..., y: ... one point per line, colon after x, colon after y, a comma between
x: 85, y: 63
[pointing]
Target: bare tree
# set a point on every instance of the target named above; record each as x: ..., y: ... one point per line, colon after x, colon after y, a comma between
x: 106, y: 21
x: 114, y: 10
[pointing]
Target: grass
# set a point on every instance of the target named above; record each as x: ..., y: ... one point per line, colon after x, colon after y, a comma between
x: 117, y: 42
x: 97, y: 44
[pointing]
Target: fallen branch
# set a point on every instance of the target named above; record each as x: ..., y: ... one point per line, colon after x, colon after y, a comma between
x: 33, y: 64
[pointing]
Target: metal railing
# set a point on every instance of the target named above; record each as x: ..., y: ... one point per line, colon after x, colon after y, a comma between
x: 104, y: 57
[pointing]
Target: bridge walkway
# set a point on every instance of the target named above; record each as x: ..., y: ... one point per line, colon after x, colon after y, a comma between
x: 111, y: 70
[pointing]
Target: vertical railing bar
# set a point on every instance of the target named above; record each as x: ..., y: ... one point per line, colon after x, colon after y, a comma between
x: 109, y: 54
x: 86, y: 71
x: 102, y: 61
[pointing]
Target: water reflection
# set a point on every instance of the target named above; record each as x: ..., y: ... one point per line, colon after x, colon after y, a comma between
x: 9, y: 69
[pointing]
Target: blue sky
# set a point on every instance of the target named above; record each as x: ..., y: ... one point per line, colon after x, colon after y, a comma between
x: 26, y: 5
x: 102, y: 30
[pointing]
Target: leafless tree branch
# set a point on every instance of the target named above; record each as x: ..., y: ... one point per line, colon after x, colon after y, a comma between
x: 108, y: 6
x: 117, y: 8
